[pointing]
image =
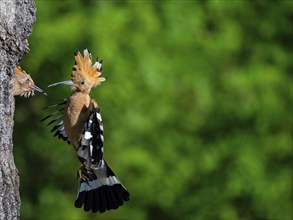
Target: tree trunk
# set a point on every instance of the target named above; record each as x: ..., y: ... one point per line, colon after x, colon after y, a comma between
x: 16, y: 20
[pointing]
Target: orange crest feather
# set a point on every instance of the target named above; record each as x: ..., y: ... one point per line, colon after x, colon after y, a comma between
x: 83, y: 68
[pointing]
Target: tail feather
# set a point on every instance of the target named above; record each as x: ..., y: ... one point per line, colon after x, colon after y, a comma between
x: 88, y: 201
x: 97, y: 201
x: 80, y: 200
x: 102, y: 191
x: 104, y: 199
x: 121, y: 193
x: 114, y: 202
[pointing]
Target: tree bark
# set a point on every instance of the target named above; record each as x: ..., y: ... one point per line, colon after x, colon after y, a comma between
x: 16, y: 20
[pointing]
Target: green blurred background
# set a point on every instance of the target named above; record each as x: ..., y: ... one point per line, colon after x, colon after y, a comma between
x: 197, y: 108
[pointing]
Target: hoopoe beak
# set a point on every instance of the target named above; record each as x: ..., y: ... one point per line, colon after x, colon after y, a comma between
x: 35, y: 88
x: 69, y: 83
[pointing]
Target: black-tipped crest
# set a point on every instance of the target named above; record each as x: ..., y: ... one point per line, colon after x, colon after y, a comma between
x: 84, y: 70
x: 100, y: 189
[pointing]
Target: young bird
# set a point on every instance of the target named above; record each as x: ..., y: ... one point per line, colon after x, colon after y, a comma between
x: 99, y: 188
x: 23, y: 84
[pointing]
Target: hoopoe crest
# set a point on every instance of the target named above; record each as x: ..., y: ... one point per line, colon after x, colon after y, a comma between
x: 23, y: 84
x: 84, y: 75
x: 80, y: 124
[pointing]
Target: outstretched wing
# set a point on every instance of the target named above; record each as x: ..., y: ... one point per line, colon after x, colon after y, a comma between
x: 56, y: 119
x: 90, y: 150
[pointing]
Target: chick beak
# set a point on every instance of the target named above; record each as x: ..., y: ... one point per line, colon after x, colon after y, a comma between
x: 35, y: 88
x: 69, y: 83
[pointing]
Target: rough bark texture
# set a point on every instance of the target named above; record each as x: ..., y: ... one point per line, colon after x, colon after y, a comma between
x: 16, y: 20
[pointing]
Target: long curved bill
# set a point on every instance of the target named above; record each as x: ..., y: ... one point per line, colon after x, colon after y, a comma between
x: 69, y: 83
x: 35, y: 88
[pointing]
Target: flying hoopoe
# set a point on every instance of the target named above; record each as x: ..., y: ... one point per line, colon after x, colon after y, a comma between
x: 82, y: 126
x: 23, y: 84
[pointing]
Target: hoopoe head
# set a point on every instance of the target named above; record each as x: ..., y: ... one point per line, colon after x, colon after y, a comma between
x: 23, y: 84
x: 85, y: 75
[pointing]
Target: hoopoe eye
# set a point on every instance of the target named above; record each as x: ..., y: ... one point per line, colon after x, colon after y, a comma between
x: 27, y: 81
x: 82, y: 82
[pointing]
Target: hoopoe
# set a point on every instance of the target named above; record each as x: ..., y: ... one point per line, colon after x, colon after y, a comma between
x: 99, y: 188
x: 23, y: 84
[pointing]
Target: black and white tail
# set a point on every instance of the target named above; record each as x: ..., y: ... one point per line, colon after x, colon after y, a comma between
x: 101, y: 191
x: 99, y: 188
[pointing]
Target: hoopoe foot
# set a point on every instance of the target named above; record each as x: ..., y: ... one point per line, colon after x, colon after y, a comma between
x: 82, y: 174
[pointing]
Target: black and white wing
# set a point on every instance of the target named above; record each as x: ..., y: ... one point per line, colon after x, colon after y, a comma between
x: 56, y: 119
x: 92, y: 140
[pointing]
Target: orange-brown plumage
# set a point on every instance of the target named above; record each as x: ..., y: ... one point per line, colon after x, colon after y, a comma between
x: 23, y: 84
x: 76, y: 113
x: 84, y: 76
x: 99, y: 189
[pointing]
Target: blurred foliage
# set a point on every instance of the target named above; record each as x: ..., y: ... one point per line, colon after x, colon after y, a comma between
x: 197, y: 108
